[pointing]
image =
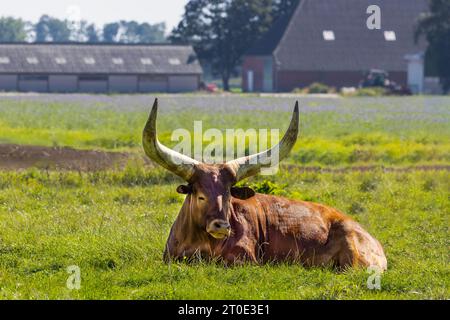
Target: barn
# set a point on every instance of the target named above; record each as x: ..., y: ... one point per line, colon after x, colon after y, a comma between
x: 98, y: 68
x: 330, y: 42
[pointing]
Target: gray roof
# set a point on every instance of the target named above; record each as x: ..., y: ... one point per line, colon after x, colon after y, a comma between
x: 98, y: 58
x: 302, y: 46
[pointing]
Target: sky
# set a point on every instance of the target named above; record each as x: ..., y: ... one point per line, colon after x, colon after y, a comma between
x: 97, y: 11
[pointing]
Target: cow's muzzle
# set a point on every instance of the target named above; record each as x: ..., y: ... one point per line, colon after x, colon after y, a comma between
x: 219, y: 229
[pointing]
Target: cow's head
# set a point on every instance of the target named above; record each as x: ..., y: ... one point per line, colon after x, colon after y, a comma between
x: 211, y: 187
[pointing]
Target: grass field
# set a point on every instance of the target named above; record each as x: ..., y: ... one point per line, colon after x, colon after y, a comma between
x: 394, y: 131
x: 113, y: 224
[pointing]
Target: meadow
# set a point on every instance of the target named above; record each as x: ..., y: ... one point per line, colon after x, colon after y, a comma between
x: 385, y: 131
x: 113, y: 224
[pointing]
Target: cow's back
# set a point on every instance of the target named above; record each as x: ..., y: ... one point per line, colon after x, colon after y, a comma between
x: 279, y: 229
x: 296, y: 230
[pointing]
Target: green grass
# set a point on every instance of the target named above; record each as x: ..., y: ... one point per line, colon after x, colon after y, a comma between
x: 113, y: 225
x: 349, y: 131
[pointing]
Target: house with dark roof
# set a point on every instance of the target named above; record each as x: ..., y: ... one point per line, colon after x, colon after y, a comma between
x: 74, y: 67
x: 329, y: 41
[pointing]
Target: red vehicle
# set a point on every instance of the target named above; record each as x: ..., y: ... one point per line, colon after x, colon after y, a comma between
x: 209, y: 87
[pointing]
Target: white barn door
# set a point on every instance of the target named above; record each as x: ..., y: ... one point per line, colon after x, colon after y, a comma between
x: 250, y: 79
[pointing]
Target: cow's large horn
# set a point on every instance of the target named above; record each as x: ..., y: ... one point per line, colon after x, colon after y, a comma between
x: 248, y: 166
x: 173, y: 161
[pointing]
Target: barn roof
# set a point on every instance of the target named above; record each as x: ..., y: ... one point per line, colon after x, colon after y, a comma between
x: 79, y: 58
x: 301, y: 45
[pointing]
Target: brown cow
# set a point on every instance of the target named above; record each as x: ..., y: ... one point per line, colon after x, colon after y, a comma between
x: 235, y: 225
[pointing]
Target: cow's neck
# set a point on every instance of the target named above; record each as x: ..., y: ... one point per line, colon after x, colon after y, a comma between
x: 188, y: 227
x: 191, y: 234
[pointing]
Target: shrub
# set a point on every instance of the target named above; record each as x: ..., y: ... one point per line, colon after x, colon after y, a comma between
x: 370, y: 92
x: 356, y: 208
x: 318, y: 87
x: 368, y: 185
x: 315, y: 87
x: 267, y: 187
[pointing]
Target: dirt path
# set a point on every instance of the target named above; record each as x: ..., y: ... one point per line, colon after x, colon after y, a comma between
x: 370, y: 168
x: 18, y: 157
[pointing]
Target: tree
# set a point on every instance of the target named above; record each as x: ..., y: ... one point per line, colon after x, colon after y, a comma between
x: 130, y: 32
x: 52, y: 29
x: 110, y: 32
x: 92, y: 34
x: 435, y: 27
x: 12, y: 30
x: 133, y: 32
x: 151, y: 33
x: 283, y: 8
x: 222, y: 30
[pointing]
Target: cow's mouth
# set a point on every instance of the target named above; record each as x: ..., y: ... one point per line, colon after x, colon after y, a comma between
x: 219, y: 234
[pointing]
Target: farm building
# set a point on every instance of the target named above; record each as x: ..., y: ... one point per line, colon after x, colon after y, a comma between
x: 330, y: 42
x: 98, y: 68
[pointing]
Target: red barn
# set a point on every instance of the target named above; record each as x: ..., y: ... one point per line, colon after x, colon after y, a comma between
x: 328, y: 41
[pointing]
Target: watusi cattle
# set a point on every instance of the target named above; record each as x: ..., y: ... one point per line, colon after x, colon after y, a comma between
x: 220, y: 221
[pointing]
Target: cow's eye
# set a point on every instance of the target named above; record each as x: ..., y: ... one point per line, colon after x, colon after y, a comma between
x: 201, y: 198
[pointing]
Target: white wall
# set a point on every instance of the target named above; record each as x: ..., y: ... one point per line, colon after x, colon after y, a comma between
x: 8, y: 83
x: 153, y: 84
x: 93, y: 86
x: 250, y: 80
x: 123, y: 83
x: 63, y: 83
x: 183, y: 83
x: 415, y: 72
x: 115, y: 83
x: 33, y: 85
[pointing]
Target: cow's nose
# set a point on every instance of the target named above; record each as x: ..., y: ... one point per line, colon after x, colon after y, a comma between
x: 222, y: 225
x: 219, y: 229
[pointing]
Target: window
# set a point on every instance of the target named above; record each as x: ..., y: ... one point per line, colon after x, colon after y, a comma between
x: 32, y: 60
x: 328, y: 35
x: 146, y: 61
x: 117, y: 60
x: 390, y: 36
x: 174, y: 61
x: 89, y: 60
x: 4, y: 60
x: 61, y: 60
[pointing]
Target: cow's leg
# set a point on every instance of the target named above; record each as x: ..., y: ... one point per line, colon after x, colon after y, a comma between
x: 360, y: 249
x: 348, y: 245
x: 176, y: 250
x: 328, y: 254
x: 238, y: 255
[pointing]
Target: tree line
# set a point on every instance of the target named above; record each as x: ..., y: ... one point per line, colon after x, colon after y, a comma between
x: 51, y: 29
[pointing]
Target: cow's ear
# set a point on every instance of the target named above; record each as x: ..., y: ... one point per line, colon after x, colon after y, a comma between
x: 242, y: 193
x: 184, y: 189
